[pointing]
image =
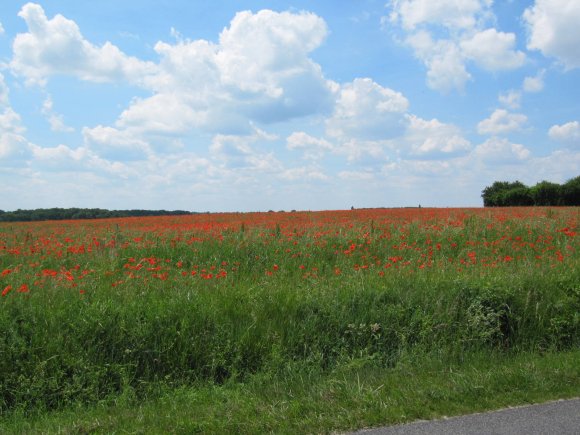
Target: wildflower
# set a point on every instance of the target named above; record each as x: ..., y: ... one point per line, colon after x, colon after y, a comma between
x: 6, y: 290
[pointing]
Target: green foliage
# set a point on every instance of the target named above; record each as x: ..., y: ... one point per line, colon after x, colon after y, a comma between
x: 42, y: 214
x: 571, y: 192
x: 495, y: 195
x: 544, y: 193
x: 86, y: 351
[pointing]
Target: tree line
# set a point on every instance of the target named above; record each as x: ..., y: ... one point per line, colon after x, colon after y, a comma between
x: 42, y: 214
x: 544, y: 193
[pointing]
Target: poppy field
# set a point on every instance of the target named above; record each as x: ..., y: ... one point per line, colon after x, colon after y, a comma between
x: 96, y: 309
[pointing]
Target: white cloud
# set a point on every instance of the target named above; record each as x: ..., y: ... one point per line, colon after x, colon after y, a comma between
x: 303, y: 173
x: 534, y: 84
x: 260, y: 52
x: 366, y: 152
x: 446, y: 69
x: 367, y: 111
x: 59, y: 157
x: 365, y: 176
x: 511, y: 99
x: 162, y: 113
x: 429, y: 138
x: 446, y: 35
x: 426, y: 169
x: 313, y: 148
x: 13, y: 146
x: 55, y: 120
x: 501, y: 121
x: 445, y: 64
x: 553, y: 29
x: 493, y: 50
x: 569, y: 132
x: 236, y: 152
x: 1, y: 29
x: 456, y: 14
x: 113, y: 143
x: 56, y: 46
x: 260, y: 71
x: 559, y: 167
x: 10, y: 121
x: 501, y: 151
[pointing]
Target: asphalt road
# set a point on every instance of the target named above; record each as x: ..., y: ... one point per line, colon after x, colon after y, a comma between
x: 553, y: 418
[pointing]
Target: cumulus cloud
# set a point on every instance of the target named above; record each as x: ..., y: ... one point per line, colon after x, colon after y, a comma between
x: 56, y: 46
x: 162, y: 113
x: 464, y: 39
x: 553, y: 30
x: 535, y: 83
x: 10, y: 121
x: 55, y: 120
x: 13, y: 145
x: 445, y: 63
x: 116, y: 144
x: 501, y: 151
x: 568, y: 132
x: 259, y: 52
x: 511, y: 99
x: 455, y: 14
x: 239, y: 153
x: 1, y: 29
x: 493, y: 50
x: 367, y: 111
x: 365, y: 176
x: 259, y: 71
x: 501, y: 121
x: 432, y: 138
x: 303, y: 173
x: 312, y: 147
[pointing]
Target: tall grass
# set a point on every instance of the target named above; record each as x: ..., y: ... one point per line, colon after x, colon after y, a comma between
x: 319, y: 295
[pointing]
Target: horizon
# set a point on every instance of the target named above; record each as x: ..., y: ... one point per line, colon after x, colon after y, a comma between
x: 284, y: 105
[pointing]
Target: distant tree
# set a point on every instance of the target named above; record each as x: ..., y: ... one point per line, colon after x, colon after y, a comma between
x: 518, y: 196
x: 41, y: 214
x: 495, y: 195
x: 546, y: 193
x: 571, y: 192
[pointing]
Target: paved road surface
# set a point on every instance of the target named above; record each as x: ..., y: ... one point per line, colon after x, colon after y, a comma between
x: 552, y: 418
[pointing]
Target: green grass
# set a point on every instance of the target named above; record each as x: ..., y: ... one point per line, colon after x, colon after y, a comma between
x: 302, y: 400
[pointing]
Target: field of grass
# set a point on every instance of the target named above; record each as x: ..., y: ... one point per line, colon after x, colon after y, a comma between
x: 263, y: 321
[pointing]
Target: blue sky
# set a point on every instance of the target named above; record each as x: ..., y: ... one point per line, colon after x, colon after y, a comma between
x: 254, y: 105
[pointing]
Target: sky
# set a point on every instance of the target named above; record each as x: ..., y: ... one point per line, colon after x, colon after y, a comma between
x: 284, y: 105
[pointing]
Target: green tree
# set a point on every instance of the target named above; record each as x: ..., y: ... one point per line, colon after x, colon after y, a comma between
x: 518, y: 196
x: 495, y: 195
x: 546, y: 193
x: 571, y: 192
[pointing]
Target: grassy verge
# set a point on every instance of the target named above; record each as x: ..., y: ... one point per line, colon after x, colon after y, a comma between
x: 353, y: 396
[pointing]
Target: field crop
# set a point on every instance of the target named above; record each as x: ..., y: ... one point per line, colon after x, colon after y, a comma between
x: 94, y: 310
